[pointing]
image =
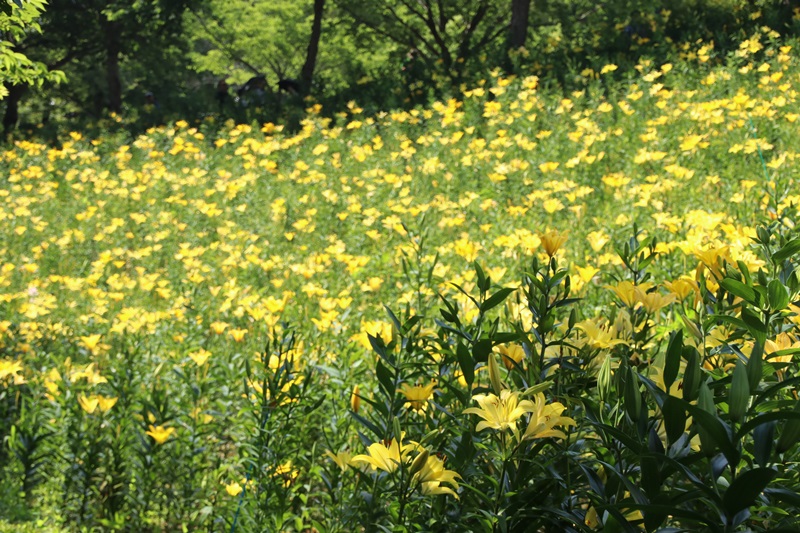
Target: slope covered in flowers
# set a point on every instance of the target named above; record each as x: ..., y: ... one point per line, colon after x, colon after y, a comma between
x: 140, y: 281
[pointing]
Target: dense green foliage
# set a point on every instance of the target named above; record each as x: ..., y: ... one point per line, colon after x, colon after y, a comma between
x: 17, y: 19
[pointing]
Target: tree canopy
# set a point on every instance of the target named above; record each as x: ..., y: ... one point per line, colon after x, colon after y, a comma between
x: 18, y: 20
x: 171, y: 58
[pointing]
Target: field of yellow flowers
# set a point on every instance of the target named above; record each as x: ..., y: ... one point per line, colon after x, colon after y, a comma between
x: 512, y: 310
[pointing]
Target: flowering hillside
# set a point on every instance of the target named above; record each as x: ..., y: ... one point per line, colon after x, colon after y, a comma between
x: 513, y: 309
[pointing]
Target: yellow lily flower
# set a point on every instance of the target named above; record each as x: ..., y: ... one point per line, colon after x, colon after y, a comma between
x: 511, y: 354
x: 200, y: 356
x: 9, y: 368
x: 234, y: 489
x: 628, y: 293
x: 682, y: 287
x: 105, y: 404
x: 417, y: 395
x: 654, y: 302
x: 544, y: 418
x: 342, y: 459
x: 782, y: 342
x: 713, y: 259
x: 88, y: 404
x: 502, y: 412
x: 383, y: 457
x: 552, y: 241
x: 433, y: 474
x: 599, y: 337
x: 160, y: 434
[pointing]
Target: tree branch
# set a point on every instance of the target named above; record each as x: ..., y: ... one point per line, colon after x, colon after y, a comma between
x: 412, y: 30
x: 480, y: 13
x: 430, y: 21
x: 233, y: 54
x: 443, y: 20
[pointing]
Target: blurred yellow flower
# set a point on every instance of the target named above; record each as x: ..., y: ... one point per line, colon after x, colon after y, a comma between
x: 160, y: 434
x: 105, y: 404
x: 512, y: 354
x: 238, y: 334
x: 342, y: 459
x: 682, y: 287
x: 548, y: 166
x: 287, y: 472
x: 783, y: 341
x: 654, y: 301
x: 9, y: 367
x: 200, y: 356
x: 628, y: 293
x: 88, y: 404
x: 89, y: 373
x: 599, y: 336
x: 233, y: 488
x: 552, y: 241
x: 713, y: 259
x: 587, y: 273
x: 417, y: 396
x: 91, y: 341
x: 597, y: 239
x: 218, y: 327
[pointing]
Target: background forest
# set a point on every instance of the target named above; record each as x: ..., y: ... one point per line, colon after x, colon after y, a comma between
x: 154, y: 61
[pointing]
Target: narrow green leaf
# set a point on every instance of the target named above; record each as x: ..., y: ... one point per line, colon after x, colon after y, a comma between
x: 748, y: 280
x: 739, y: 394
x: 714, y: 430
x: 763, y: 438
x: 755, y: 366
x: 672, y: 362
x: 790, y: 433
x: 777, y: 295
x: 674, y: 419
x: 367, y: 424
x: 483, y: 284
x: 379, y: 347
x: 385, y: 378
x: 633, y: 397
x: 692, y: 374
x: 466, y: 363
x: 481, y: 350
x: 744, y: 490
x: 755, y: 325
x: 737, y: 288
x: 763, y: 234
x: 503, y: 337
x: 789, y: 249
x: 651, y: 479
x: 496, y: 299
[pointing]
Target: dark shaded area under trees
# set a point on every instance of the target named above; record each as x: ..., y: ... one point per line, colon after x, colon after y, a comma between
x: 138, y: 64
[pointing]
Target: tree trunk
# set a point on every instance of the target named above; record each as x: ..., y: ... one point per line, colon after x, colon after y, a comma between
x: 113, y: 49
x: 307, y: 73
x: 11, y: 116
x: 518, y: 31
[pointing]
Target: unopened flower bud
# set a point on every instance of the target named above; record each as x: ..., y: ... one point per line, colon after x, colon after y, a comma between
x: 419, y: 461
x: 355, y: 400
x: 494, y: 374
